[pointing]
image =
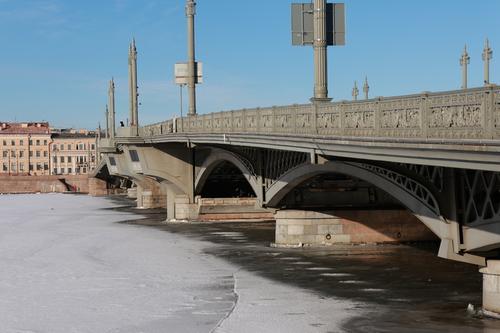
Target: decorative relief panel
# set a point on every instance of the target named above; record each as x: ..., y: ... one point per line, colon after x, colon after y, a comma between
x: 283, y: 121
x: 238, y: 122
x: 266, y: 120
x: 304, y: 121
x: 456, y: 116
x: 207, y: 123
x: 216, y: 123
x: 328, y: 120
x: 251, y: 121
x: 402, y: 118
x: 360, y: 119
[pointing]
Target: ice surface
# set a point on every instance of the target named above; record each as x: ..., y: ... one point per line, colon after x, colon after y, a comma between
x: 67, y: 266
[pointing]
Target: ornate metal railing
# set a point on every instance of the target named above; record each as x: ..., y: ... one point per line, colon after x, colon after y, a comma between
x: 461, y: 114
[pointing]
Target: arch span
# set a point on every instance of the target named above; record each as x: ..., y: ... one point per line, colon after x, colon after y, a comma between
x: 218, y: 156
x: 419, y: 200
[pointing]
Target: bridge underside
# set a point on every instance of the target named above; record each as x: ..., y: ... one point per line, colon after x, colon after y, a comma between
x: 461, y: 207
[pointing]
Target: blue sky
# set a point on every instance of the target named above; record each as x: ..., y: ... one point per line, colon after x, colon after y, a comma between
x: 57, y: 56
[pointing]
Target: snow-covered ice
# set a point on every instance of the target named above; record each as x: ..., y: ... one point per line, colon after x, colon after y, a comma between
x: 67, y: 266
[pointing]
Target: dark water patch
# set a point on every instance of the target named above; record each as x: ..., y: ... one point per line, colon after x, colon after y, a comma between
x: 400, y: 288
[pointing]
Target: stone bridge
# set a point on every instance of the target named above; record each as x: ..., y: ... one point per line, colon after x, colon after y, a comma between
x: 316, y: 166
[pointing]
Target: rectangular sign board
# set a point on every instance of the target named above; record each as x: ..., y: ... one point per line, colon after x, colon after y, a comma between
x: 303, y: 23
x: 182, y: 75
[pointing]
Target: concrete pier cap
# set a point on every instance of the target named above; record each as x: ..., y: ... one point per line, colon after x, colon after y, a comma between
x: 491, y: 288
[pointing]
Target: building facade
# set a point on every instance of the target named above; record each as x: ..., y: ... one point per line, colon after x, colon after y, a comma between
x: 33, y: 148
x: 25, y: 148
x: 73, y: 152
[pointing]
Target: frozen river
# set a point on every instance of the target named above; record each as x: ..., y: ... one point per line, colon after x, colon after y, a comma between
x: 68, y: 266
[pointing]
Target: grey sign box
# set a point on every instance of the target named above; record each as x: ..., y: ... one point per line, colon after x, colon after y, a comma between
x: 181, y: 73
x: 303, y: 23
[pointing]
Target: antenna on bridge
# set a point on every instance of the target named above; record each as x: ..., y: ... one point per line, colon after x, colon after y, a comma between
x: 487, y: 56
x: 355, y: 91
x: 366, y: 87
x: 319, y: 24
x: 464, y: 61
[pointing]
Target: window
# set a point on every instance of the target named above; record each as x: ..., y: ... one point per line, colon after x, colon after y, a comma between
x: 21, y: 153
x: 63, y: 171
x: 112, y: 161
x: 69, y: 159
x: 5, y: 167
x: 13, y: 167
x: 84, y: 170
x: 54, y: 171
x: 21, y: 142
x: 92, y: 146
x: 54, y: 159
x: 38, y: 166
x: 31, y: 167
x: 134, y: 156
x: 37, y: 153
x: 92, y: 158
x: 13, y: 153
x: 12, y: 142
x: 62, y: 159
x: 54, y: 147
x: 45, y: 153
x: 31, y: 142
x: 44, y: 142
x: 5, y: 154
x: 37, y: 142
x: 69, y: 170
x: 46, y: 166
x: 77, y: 169
x: 69, y: 147
x: 62, y: 147
x: 21, y: 167
x: 5, y: 142
x: 31, y: 153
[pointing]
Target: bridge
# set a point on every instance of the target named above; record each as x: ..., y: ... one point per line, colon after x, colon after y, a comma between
x: 435, y: 154
x: 402, y: 168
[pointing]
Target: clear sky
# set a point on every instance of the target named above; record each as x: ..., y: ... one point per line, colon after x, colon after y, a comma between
x: 57, y: 55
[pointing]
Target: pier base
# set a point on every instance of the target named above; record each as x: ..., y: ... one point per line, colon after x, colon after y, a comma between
x: 312, y: 228
x: 491, y: 288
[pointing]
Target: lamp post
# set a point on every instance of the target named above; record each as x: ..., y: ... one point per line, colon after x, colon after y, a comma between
x: 191, y: 62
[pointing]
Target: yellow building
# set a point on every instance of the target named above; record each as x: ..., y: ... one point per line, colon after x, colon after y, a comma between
x: 73, y: 152
x: 25, y: 148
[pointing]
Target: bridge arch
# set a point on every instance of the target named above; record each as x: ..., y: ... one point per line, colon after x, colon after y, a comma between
x: 414, y: 196
x: 219, y: 156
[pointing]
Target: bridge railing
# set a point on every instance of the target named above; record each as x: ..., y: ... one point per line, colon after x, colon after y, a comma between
x: 460, y: 114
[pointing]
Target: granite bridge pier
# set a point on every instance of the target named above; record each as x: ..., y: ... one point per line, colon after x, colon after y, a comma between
x: 387, y: 169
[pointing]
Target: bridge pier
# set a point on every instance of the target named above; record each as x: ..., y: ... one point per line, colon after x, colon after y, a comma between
x: 491, y: 288
x: 151, y: 194
x: 313, y: 228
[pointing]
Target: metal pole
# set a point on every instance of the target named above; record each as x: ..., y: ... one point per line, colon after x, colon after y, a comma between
x: 320, y: 52
x: 190, y: 13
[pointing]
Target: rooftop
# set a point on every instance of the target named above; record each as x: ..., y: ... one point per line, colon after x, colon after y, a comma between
x: 25, y: 128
